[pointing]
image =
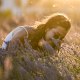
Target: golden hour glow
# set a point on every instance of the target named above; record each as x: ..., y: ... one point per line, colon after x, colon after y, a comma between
x: 39, y: 39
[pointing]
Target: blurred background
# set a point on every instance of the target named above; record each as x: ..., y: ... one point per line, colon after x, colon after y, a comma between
x: 14, y: 13
x: 25, y: 12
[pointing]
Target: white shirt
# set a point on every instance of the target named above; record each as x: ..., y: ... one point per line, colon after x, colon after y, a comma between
x: 11, y: 35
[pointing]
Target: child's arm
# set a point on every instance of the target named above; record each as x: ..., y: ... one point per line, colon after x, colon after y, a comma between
x: 17, y: 33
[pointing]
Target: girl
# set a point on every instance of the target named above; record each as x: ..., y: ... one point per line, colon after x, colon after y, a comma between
x: 48, y: 32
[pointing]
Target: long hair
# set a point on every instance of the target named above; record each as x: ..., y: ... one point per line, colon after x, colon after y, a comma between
x: 48, y: 23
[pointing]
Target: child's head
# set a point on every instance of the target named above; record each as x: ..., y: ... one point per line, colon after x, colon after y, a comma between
x: 58, y: 20
x: 53, y: 21
x: 56, y: 24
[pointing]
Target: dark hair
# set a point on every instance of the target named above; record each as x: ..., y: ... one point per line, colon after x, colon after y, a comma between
x: 58, y: 20
x: 49, y: 23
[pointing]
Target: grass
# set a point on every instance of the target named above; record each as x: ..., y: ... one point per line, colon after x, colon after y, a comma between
x: 20, y: 63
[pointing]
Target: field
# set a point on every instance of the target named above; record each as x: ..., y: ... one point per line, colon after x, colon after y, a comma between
x: 20, y: 63
x: 25, y: 63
